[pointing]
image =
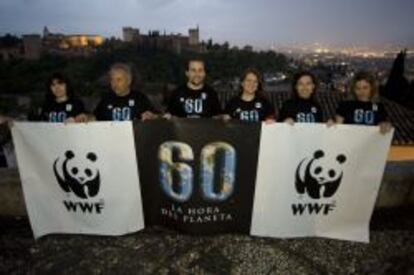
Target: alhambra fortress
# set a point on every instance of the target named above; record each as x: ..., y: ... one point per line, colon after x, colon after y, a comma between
x: 34, y: 45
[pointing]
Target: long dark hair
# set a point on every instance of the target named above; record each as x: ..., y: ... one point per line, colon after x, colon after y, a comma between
x: 296, y: 79
x: 49, y: 96
x: 259, y: 91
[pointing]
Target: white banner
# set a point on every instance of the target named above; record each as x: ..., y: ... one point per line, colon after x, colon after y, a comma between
x: 318, y: 181
x: 79, y: 178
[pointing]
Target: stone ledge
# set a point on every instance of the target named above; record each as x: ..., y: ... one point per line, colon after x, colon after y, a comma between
x: 397, y: 189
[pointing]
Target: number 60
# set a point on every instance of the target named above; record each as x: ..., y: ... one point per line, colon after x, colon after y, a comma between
x: 207, y: 165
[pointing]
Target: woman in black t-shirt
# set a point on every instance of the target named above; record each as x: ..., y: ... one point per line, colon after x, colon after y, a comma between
x: 363, y: 109
x: 250, y: 105
x: 60, y: 104
x: 302, y: 107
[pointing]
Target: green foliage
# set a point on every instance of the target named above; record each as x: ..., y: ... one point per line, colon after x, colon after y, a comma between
x: 9, y: 40
x: 153, y: 66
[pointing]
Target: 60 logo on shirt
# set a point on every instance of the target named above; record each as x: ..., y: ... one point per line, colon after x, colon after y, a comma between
x: 364, y: 117
x: 193, y: 106
x: 121, y: 114
x: 57, y: 116
x: 185, y: 174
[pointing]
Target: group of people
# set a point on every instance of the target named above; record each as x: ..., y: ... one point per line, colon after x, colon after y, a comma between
x: 196, y: 99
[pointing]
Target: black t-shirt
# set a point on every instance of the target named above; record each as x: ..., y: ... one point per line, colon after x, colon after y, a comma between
x: 259, y: 109
x: 53, y: 111
x: 188, y: 103
x: 362, y: 113
x: 121, y: 108
x: 302, y: 111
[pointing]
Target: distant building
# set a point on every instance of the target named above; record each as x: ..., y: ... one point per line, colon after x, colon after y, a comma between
x: 73, y: 41
x: 155, y: 40
x: 194, y: 37
x: 248, y: 48
x: 130, y: 34
x: 32, y: 46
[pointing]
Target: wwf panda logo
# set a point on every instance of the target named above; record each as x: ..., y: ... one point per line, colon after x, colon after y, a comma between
x: 78, y: 174
x: 319, y: 176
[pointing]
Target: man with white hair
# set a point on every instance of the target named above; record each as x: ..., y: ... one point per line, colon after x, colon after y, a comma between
x: 123, y: 103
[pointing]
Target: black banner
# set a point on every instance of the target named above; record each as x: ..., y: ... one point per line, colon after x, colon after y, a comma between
x: 198, y: 176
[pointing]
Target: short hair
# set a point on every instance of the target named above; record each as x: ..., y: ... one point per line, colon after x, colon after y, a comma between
x: 195, y: 59
x: 368, y: 77
x: 126, y: 68
x: 296, y: 79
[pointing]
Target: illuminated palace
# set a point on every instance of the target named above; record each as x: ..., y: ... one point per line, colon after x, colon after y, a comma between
x: 57, y: 43
x: 63, y: 41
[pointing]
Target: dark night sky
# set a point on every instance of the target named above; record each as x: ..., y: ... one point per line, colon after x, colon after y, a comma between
x: 259, y: 23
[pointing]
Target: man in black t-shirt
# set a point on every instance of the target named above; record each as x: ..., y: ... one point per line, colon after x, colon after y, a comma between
x: 122, y: 103
x: 195, y: 99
